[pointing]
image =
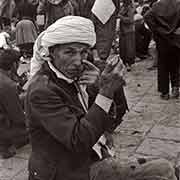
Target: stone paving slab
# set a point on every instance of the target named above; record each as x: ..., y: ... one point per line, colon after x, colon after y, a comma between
x: 160, y: 148
x: 11, y: 167
x: 166, y: 133
x: 22, y: 175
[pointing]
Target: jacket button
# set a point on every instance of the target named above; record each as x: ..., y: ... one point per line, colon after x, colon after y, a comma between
x: 35, y: 173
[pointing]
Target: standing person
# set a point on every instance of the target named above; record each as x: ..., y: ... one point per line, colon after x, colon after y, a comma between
x: 143, y: 35
x: 6, y: 10
x: 26, y: 30
x: 12, y: 118
x: 105, y: 32
x: 163, y: 19
x: 63, y: 129
x: 55, y: 9
x: 127, y: 34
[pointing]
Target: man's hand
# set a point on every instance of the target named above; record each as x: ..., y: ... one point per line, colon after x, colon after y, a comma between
x: 112, y: 77
x: 90, y: 74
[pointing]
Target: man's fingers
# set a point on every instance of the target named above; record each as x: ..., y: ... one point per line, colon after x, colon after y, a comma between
x: 89, y: 66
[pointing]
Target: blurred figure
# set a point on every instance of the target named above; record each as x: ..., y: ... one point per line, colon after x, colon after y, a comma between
x: 26, y: 30
x: 55, y: 9
x: 26, y: 34
x: 163, y: 19
x: 143, y: 35
x: 12, y: 118
x: 127, y: 34
x: 6, y: 10
x: 5, y: 36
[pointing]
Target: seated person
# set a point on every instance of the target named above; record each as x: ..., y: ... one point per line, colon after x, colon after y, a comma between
x: 63, y: 128
x: 12, y: 117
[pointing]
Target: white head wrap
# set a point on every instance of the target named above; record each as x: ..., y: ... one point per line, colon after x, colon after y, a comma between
x: 65, y: 30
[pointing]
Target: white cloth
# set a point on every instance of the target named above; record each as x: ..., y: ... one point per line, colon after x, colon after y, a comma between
x: 65, y: 30
x: 3, y: 39
x: 138, y: 17
x: 103, y: 10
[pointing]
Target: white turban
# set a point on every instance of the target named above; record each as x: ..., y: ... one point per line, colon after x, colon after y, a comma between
x: 65, y: 30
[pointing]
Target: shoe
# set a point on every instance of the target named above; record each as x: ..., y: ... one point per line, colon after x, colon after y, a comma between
x: 175, y: 92
x: 177, y: 172
x: 164, y: 96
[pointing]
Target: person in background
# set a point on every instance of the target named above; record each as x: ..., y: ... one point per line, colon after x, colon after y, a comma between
x: 105, y: 32
x: 12, y: 118
x: 55, y: 9
x: 5, y: 36
x: 7, y: 8
x: 139, y: 8
x: 127, y: 34
x: 26, y: 30
x: 163, y: 20
x: 143, y: 35
x: 63, y: 127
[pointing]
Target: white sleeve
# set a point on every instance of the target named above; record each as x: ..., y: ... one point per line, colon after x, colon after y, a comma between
x: 103, y: 102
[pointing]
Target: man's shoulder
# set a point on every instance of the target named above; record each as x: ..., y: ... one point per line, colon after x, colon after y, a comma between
x: 5, y: 81
x: 39, y: 82
x: 43, y: 84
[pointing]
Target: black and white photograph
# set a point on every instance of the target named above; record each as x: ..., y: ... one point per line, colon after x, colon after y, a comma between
x: 89, y: 89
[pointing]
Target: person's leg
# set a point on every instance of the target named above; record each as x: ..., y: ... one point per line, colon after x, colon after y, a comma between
x: 174, y: 72
x: 147, y: 40
x: 163, y: 69
x: 110, y: 169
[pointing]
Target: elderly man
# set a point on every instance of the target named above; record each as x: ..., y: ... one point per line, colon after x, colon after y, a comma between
x: 63, y: 129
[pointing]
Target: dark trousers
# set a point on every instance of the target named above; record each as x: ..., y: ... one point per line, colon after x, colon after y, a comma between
x: 143, y: 38
x: 168, y: 65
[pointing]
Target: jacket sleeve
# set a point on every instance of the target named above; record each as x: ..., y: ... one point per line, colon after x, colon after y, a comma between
x: 78, y: 134
x: 11, y: 102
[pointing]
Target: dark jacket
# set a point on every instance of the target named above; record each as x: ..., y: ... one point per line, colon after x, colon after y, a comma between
x: 62, y: 134
x: 164, y: 20
x: 12, y: 118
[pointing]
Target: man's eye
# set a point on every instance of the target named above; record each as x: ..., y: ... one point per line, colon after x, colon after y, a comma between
x: 84, y: 52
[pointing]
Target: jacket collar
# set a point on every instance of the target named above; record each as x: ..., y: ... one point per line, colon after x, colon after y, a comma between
x: 59, y: 74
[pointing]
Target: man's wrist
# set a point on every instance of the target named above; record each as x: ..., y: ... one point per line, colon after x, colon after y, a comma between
x: 107, y: 93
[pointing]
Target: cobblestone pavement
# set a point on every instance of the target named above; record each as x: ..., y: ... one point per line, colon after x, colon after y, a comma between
x: 151, y: 129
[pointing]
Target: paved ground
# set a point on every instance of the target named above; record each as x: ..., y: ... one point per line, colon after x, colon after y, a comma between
x: 151, y: 129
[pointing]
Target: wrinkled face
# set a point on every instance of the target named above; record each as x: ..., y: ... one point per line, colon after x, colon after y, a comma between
x: 67, y: 58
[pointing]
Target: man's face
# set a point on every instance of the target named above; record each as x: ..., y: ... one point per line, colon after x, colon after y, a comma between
x: 67, y: 58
